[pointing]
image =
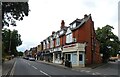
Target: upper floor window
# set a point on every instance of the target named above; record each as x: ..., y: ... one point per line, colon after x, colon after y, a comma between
x: 47, y: 43
x: 44, y: 45
x: 54, y: 35
x: 68, y: 36
x: 61, y: 32
x: 51, y: 42
x: 74, y: 25
x: 57, y: 40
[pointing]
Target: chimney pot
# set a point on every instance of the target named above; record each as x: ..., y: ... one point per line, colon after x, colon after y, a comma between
x: 85, y: 15
x: 53, y: 32
x: 62, y: 24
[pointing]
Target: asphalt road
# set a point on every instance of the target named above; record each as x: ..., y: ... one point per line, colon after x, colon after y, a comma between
x: 26, y: 67
x: 111, y: 68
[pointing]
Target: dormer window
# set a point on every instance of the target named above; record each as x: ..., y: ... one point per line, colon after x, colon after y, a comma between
x: 61, y: 32
x: 74, y: 25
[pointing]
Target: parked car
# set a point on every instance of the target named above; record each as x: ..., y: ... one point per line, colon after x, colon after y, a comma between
x: 31, y: 59
x: 26, y: 58
x: 113, y: 59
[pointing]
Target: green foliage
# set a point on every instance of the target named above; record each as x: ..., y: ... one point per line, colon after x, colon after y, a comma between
x: 20, y: 53
x: 109, y: 42
x: 10, y: 40
x: 12, y: 11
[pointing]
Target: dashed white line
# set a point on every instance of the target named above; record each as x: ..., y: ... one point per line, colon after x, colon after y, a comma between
x: 98, y: 73
x: 34, y: 67
x: 45, y: 73
x: 93, y: 74
x: 82, y: 70
x: 28, y: 63
x: 87, y: 71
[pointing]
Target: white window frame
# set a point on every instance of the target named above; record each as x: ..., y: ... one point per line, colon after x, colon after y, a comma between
x: 57, y: 40
x: 43, y: 45
x: 47, y: 43
x: 61, y: 32
x: 69, y: 37
x: 51, y: 42
x: 74, y: 25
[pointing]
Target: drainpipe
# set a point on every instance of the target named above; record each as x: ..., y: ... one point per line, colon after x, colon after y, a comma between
x: 78, y: 58
x: 91, y: 46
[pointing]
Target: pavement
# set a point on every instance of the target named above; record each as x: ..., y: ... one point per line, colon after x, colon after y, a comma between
x: 0, y: 70
x: 7, y: 66
x: 95, y: 69
x: 63, y: 66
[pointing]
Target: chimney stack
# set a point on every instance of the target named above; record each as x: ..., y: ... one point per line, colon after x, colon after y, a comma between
x: 85, y: 16
x: 62, y: 24
x: 53, y: 32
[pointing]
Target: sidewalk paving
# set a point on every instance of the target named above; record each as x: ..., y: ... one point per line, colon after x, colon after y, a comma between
x: 53, y: 64
x: 95, y: 69
x: 7, y: 66
x: 87, y: 69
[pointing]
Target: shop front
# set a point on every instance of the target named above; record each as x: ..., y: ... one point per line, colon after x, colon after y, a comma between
x: 57, y: 55
x: 75, y: 53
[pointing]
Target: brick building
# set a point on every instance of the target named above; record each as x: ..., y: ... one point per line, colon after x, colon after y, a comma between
x: 77, y: 43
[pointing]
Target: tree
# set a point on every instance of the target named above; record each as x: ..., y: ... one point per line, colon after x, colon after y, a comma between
x: 10, y: 40
x: 20, y: 53
x: 109, y: 42
x: 12, y: 11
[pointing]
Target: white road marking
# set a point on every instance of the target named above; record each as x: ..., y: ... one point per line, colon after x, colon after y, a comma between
x: 44, y: 73
x: 87, y: 71
x: 34, y: 67
x: 98, y: 73
x: 12, y: 71
x: 82, y: 70
x: 28, y: 63
x: 93, y: 74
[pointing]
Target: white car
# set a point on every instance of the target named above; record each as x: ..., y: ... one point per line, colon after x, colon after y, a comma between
x: 31, y: 59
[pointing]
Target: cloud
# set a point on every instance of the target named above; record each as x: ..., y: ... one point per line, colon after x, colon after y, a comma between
x: 46, y: 16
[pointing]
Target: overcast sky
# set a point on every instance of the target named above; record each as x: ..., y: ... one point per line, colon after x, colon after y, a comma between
x: 46, y: 15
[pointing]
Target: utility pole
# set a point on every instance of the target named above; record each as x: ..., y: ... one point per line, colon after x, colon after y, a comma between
x: 10, y: 42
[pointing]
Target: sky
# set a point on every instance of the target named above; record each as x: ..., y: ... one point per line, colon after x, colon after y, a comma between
x: 46, y: 15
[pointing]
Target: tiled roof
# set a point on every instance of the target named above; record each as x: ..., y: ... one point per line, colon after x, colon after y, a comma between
x: 79, y: 22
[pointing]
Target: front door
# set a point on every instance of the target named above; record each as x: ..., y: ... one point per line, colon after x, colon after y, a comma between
x: 68, y: 57
x: 81, y: 58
